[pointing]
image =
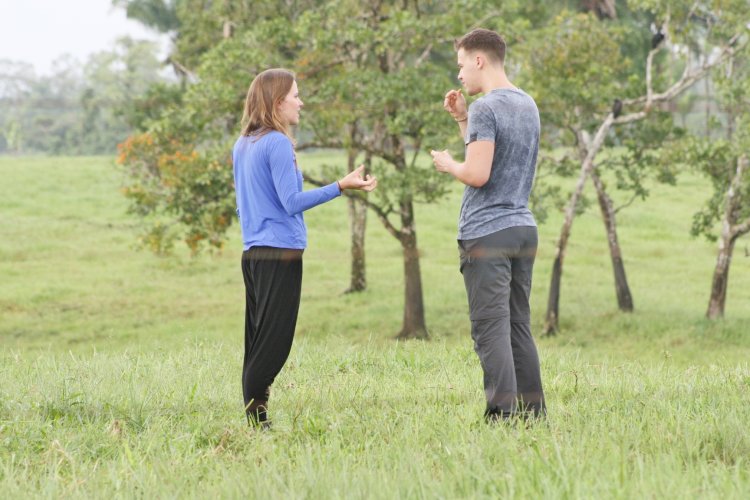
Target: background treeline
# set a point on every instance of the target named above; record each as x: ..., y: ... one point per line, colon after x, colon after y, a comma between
x: 79, y: 108
x: 89, y: 108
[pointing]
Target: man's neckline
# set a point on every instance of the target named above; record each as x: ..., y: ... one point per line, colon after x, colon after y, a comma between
x: 504, y: 88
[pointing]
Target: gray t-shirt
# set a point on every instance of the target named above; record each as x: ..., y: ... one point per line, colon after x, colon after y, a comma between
x: 510, y: 119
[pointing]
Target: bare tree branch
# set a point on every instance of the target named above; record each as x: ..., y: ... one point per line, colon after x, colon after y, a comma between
x: 632, y: 117
x: 425, y: 54
x: 390, y: 158
x: 381, y: 214
x: 333, y: 144
x: 740, y: 229
x: 417, y: 150
x: 592, y: 148
x: 182, y: 69
x: 627, y: 204
x: 322, y: 68
x: 688, y: 78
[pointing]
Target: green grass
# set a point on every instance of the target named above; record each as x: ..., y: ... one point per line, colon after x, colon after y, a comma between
x: 120, y: 369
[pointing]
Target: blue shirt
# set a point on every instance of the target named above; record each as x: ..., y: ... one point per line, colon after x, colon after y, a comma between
x: 268, y: 187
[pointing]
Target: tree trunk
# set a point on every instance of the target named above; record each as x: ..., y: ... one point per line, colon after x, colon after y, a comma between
x: 358, y: 218
x: 604, y: 9
x: 227, y: 29
x: 358, y: 224
x: 552, y: 317
x: 729, y: 235
x: 721, y: 278
x: 591, y: 148
x: 624, y: 298
x: 414, y: 322
x: 551, y: 324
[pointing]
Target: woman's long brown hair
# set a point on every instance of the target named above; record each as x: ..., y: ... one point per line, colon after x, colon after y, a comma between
x: 261, y: 113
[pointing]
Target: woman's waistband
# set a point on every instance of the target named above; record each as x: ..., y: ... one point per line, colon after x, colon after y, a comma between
x: 272, y: 253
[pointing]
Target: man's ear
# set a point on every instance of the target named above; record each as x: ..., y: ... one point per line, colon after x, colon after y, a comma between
x: 479, y: 60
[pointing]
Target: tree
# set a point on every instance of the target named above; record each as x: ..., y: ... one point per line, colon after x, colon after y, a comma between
x: 725, y: 162
x: 581, y: 90
x: 730, y: 206
x: 573, y: 80
x: 159, y: 15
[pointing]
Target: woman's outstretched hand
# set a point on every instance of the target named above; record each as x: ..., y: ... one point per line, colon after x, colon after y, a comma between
x: 354, y: 180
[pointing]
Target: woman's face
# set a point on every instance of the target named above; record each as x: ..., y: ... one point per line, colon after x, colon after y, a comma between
x: 289, y: 108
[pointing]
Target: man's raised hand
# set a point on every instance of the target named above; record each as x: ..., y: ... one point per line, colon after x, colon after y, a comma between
x: 455, y: 104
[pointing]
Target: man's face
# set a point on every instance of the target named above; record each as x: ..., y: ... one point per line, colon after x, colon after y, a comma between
x: 468, y: 71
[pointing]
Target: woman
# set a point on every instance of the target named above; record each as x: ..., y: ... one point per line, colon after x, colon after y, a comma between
x: 270, y: 202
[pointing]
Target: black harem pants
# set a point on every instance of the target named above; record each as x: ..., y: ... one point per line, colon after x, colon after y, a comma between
x: 273, y: 283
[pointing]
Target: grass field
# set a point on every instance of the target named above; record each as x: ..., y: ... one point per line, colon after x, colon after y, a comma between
x: 120, y: 369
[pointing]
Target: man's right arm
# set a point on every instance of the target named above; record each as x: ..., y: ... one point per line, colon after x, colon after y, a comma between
x: 455, y: 104
x: 475, y: 171
x: 463, y: 124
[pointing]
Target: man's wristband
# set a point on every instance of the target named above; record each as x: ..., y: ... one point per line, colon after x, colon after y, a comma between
x: 339, y: 185
x: 465, y: 118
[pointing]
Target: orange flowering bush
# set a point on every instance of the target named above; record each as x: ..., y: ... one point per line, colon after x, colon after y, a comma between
x: 178, y: 191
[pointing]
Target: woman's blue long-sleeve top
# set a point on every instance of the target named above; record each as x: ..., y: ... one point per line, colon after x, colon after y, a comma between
x: 268, y: 188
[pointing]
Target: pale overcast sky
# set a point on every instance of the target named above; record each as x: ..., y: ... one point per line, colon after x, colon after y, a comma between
x: 39, y: 31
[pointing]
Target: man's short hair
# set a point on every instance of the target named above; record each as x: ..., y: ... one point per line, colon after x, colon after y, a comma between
x: 486, y: 41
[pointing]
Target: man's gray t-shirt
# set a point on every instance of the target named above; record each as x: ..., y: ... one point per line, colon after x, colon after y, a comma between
x: 510, y: 119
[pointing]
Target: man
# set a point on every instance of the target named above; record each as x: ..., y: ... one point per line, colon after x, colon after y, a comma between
x: 497, y: 235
